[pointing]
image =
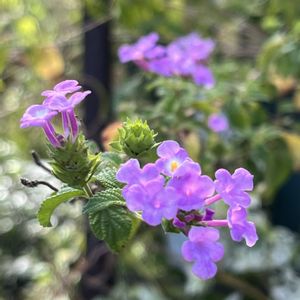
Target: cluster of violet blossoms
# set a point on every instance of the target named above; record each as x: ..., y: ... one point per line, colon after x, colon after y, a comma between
x: 56, y: 101
x: 186, y: 56
x: 174, y: 189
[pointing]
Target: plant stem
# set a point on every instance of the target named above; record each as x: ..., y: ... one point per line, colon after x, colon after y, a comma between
x: 88, y: 190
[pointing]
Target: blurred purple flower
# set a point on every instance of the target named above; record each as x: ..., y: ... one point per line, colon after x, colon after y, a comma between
x: 171, y: 157
x: 232, y: 187
x: 192, y: 188
x: 199, y: 49
x: 240, y: 227
x: 40, y: 116
x: 144, y: 48
x: 202, y: 75
x: 152, y: 198
x: 184, y: 57
x: 203, y: 248
x: 218, y: 122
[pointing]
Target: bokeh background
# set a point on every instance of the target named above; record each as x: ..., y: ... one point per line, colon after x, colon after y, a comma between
x: 256, y: 64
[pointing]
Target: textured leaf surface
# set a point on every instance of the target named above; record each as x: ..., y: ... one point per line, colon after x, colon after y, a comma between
x: 107, y: 178
x: 103, y: 200
x: 50, y: 204
x: 114, y: 225
x: 110, y: 220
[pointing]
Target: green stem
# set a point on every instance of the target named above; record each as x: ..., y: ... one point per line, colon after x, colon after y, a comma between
x: 88, y: 190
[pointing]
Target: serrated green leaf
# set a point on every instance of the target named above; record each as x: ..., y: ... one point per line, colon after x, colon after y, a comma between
x: 114, y: 225
x: 107, y: 177
x: 50, y: 204
x: 103, y: 200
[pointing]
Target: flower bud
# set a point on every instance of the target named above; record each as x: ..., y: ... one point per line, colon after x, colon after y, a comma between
x: 135, y: 138
x: 73, y: 163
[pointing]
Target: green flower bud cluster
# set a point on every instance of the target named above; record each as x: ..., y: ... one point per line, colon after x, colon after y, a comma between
x: 74, y: 164
x: 135, y: 138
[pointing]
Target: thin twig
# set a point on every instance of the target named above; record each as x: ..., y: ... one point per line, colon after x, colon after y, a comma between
x: 38, y: 161
x: 35, y: 183
x: 244, y: 287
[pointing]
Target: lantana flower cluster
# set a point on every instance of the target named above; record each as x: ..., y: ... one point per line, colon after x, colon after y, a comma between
x: 62, y: 99
x: 173, y: 188
x: 186, y: 57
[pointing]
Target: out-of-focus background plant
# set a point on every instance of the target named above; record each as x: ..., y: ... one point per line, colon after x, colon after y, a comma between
x: 256, y: 67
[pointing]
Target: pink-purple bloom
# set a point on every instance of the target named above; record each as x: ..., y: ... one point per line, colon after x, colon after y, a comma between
x: 186, y: 57
x: 40, y: 116
x: 240, y: 227
x: 145, y: 48
x: 204, y: 250
x: 192, y: 187
x: 232, y: 188
x: 171, y: 157
x: 218, y: 122
x: 174, y: 189
x: 56, y: 101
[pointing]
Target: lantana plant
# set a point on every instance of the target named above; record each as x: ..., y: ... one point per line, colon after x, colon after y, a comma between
x: 142, y: 180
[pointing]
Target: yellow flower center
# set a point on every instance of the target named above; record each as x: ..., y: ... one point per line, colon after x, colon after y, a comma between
x: 174, y: 166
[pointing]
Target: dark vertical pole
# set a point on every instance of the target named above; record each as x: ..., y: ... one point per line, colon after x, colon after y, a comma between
x: 99, y: 267
x: 97, y: 77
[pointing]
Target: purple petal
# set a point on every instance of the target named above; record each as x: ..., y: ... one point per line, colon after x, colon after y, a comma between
x: 188, y: 251
x: 203, y: 76
x: 153, y: 217
x: 186, y: 168
x: 218, y: 122
x: 135, y: 197
x: 76, y: 98
x: 243, y: 179
x: 204, y: 268
x: 216, y: 251
x: 168, y: 149
x: 59, y: 103
x: 200, y: 234
x: 129, y: 172
x: 67, y: 86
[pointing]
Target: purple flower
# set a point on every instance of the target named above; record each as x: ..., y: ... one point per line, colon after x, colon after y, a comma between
x: 185, y: 57
x: 141, y: 49
x: 62, y: 88
x: 153, y: 199
x: 202, y: 75
x: 192, y: 188
x: 240, y: 227
x: 171, y: 157
x: 198, y: 49
x: 66, y: 107
x: 232, y: 187
x: 131, y: 173
x: 218, y: 122
x: 40, y: 116
x: 203, y: 248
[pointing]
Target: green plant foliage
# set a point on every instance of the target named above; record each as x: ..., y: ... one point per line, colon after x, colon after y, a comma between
x: 51, y: 203
x: 103, y: 200
x: 110, y: 220
x: 73, y: 164
x: 107, y: 178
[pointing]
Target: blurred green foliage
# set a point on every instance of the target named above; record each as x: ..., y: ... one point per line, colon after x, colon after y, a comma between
x: 256, y: 65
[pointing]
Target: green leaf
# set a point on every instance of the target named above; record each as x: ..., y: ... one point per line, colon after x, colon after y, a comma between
x: 114, y: 225
x: 50, y: 204
x: 107, y: 177
x: 103, y: 200
x: 110, y: 220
